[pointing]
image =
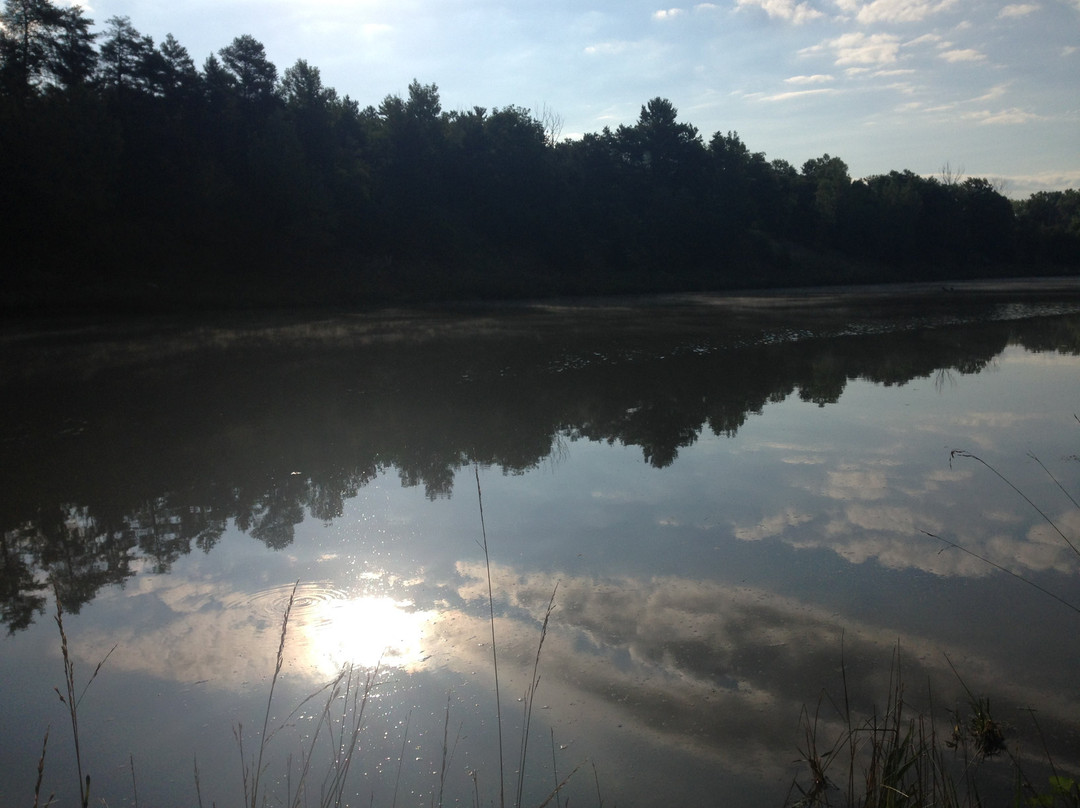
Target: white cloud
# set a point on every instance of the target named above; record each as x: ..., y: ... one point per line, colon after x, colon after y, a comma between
x: 995, y: 92
x: 607, y: 48
x: 861, y: 49
x: 817, y: 78
x: 772, y: 525
x: 894, y: 11
x: 963, y: 55
x: 1024, y: 185
x: 1005, y: 117
x: 925, y: 38
x: 1018, y: 10
x: 667, y: 13
x: 787, y: 10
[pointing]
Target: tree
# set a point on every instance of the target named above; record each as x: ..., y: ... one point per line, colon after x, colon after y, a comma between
x: 72, y: 58
x: 125, y: 57
x: 28, y: 30
x: 179, y: 78
x: 658, y: 142
x: 988, y: 220
x: 302, y: 87
x: 255, y: 76
x: 828, y: 183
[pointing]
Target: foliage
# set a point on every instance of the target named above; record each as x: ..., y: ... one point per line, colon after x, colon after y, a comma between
x: 160, y: 184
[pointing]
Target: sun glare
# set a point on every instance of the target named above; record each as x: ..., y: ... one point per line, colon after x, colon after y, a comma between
x: 367, y: 631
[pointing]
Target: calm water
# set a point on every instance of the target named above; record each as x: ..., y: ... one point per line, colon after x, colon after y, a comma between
x: 732, y: 498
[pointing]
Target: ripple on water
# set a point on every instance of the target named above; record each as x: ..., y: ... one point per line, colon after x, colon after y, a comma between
x: 329, y: 627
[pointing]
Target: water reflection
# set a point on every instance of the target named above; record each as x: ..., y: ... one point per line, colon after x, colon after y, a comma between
x: 169, y: 450
x: 367, y: 631
x: 720, y: 546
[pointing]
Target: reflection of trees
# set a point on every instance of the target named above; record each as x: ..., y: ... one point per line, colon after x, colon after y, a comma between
x: 169, y: 452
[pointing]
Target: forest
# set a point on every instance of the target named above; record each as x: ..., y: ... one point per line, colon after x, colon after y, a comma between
x: 136, y: 180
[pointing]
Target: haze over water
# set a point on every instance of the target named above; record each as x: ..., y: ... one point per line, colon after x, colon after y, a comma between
x: 742, y: 502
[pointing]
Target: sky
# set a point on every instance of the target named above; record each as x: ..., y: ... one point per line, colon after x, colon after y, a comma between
x: 978, y: 88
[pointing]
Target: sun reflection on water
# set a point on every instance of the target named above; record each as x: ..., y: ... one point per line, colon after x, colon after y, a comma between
x: 366, y: 631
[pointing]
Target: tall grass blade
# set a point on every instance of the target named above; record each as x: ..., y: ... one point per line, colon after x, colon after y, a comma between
x: 72, y: 701
x: 256, y: 775
x: 1025, y: 497
x: 530, y: 696
x: 494, y: 652
x: 401, y: 757
x: 1006, y: 570
x: 41, y: 773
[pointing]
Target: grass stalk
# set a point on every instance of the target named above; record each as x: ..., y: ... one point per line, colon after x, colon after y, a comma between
x: 494, y: 651
x: 530, y: 695
x: 71, y: 701
x: 447, y: 752
x: 554, y: 764
x: 969, y: 456
x: 134, y: 787
x: 41, y: 774
x: 254, y: 777
x: 198, y: 786
x: 1006, y: 570
x: 401, y: 757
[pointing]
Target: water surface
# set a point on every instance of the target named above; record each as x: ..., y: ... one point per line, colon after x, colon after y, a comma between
x: 739, y: 504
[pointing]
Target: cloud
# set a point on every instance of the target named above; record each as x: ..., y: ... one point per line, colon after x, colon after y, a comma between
x: 894, y: 11
x: 607, y: 48
x: 773, y: 525
x: 995, y: 92
x: 963, y: 55
x: 786, y: 10
x: 925, y: 38
x: 1024, y: 185
x: 817, y: 78
x: 1005, y: 117
x: 861, y: 49
x: 667, y: 13
x: 1018, y: 10
x: 797, y: 94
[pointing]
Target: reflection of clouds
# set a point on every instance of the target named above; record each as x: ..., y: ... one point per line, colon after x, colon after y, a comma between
x: 773, y: 525
x: 716, y: 671
x: 851, y: 483
x: 894, y: 536
x: 993, y: 420
x: 203, y: 631
x: 878, y: 510
x: 719, y: 669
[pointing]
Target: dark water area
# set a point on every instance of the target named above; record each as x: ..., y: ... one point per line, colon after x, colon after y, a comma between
x: 740, y: 503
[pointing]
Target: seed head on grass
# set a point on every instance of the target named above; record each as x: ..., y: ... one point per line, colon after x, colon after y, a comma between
x: 72, y: 701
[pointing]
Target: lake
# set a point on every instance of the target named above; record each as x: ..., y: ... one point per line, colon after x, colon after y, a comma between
x: 711, y: 523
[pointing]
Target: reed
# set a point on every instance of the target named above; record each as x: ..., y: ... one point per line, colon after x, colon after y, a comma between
x: 72, y: 702
x: 530, y: 694
x: 494, y: 647
x: 893, y: 758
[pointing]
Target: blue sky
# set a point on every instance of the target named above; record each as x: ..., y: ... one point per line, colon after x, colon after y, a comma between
x: 990, y: 88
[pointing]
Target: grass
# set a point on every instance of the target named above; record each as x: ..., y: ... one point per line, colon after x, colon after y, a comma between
x: 895, y: 758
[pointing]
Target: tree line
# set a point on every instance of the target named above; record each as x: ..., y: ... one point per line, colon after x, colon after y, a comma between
x: 134, y: 177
